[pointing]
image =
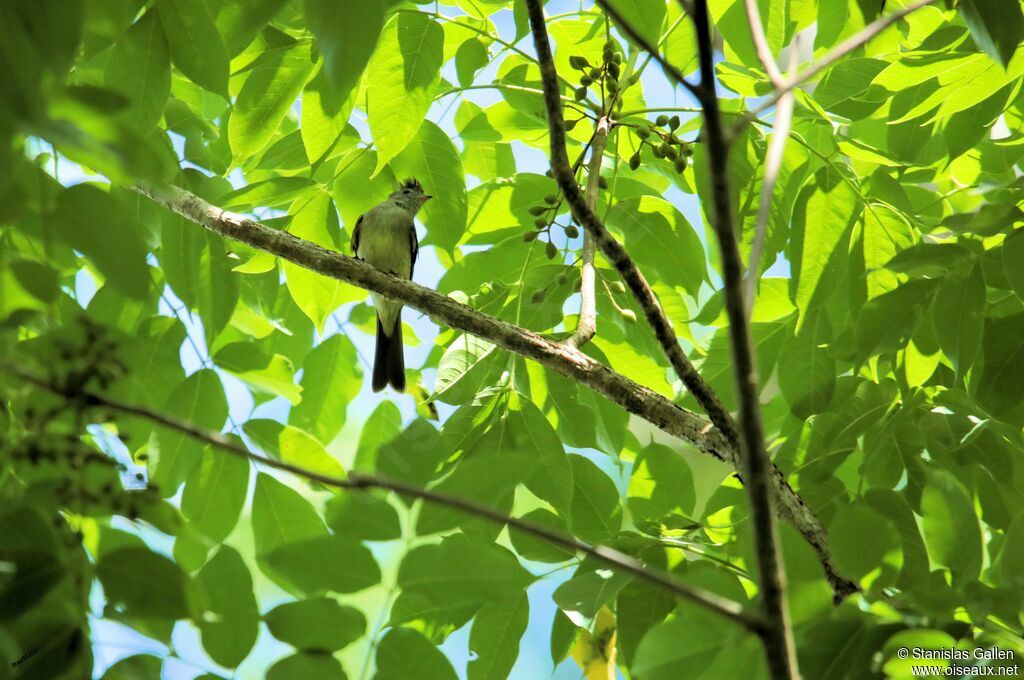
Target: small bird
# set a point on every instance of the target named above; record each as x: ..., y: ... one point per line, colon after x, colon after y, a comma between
x: 385, y: 237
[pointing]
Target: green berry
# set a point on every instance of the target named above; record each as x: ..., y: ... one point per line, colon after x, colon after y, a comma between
x: 617, y: 58
x: 595, y: 73
x: 551, y: 250
x: 561, y: 278
x: 687, y: 149
x: 608, y: 55
x: 540, y: 223
x: 579, y: 62
x: 602, y: 182
x: 610, y: 46
x: 551, y: 199
x: 570, y: 124
x: 680, y: 164
x: 643, y: 132
x: 571, y: 231
x: 612, y: 85
x: 537, y: 297
x: 634, y: 161
x: 538, y: 210
x: 664, y: 149
x: 529, y: 236
x: 581, y: 93
x: 619, y: 287
x: 629, y: 315
x: 661, y: 121
x: 673, y: 122
x: 585, y: 81
x: 671, y: 154
x: 613, y: 70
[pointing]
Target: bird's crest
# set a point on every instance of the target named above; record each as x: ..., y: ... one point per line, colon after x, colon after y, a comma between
x: 411, y: 183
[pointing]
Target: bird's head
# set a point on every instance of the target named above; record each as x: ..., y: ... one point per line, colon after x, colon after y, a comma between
x: 409, y: 195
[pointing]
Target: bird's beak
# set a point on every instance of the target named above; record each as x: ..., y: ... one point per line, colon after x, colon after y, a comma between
x: 427, y: 197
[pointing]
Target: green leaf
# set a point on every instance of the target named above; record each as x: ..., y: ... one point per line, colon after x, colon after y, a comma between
x: 432, y: 158
x: 532, y: 547
x: 860, y: 539
x: 470, y: 58
x: 216, y: 287
x: 139, y: 68
x: 144, y: 583
x: 660, y: 239
x: 1013, y: 261
x: 364, y: 517
x: 93, y: 223
x: 997, y: 27
x: 276, y: 79
x: 494, y: 639
x: 281, y: 516
x: 446, y: 582
x: 230, y: 629
x: 1011, y: 557
x: 886, y: 234
x: 382, y: 426
x: 462, y: 369
x: 325, y: 563
x: 661, y: 488
x: 951, y: 529
x: 405, y: 653
x: 807, y: 369
x: 195, y: 45
x: 346, y: 35
x: 596, y: 514
x: 270, y: 374
x: 137, y: 667
x: 401, y: 81
x: 317, y: 624
x: 314, y: 219
x: 320, y: 665
x: 413, y: 455
x: 199, y: 400
x: 999, y: 388
x: 958, y: 317
x: 331, y: 379
x: 823, y: 219
x: 215, y: 493
x: 589, y: 589
x: 646, y: 16
x: 325, y: 113
x: 240, y: 21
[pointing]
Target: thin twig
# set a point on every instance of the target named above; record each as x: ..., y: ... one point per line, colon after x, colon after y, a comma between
x: 837, y: 53
x: 764, y: 53
x: 777, y: 635
x: 358, y: 481
x: 772, y: 161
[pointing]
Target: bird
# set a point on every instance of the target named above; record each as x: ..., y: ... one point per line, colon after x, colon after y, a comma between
x: 385, y: 237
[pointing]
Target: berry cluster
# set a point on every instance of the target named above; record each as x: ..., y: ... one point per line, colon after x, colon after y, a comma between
x: 605, y: 74
x: 662, y: 139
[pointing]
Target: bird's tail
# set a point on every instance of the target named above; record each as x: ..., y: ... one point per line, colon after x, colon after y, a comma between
x: 389, y: 359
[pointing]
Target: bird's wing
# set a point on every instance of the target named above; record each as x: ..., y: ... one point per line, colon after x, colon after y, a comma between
x: 414, y: 248
x: 355, y: 236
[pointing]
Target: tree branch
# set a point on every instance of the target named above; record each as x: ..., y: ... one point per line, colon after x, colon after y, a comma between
x: 570, y: 362
x: 764, y: 53
x: 837, y: 53
x: 611, y: 248
x: 772, y: 161
x: 357, y: 481
x: 778, y: 639
x: 674, y: 73
x: 587, y: 326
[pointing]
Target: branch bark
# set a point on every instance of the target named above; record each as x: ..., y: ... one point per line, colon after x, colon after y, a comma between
x: 570, y: 362
x: 357, y: 481
x: 587, y: 326
x: 778, y: 636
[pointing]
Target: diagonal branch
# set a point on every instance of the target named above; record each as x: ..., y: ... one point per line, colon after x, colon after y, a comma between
x: 837, y: 53
x: 757, y: 466
x: 772, y: 161
x: 358, y: 482
x: 612, y: 249
x: 570, y: 362
x: 764, y: 53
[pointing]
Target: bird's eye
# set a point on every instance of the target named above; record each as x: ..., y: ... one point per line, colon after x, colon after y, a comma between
x: 406, y: 191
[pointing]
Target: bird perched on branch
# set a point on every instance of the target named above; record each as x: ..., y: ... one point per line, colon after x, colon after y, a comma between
x: 385, y: 237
